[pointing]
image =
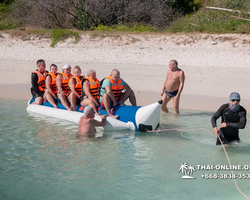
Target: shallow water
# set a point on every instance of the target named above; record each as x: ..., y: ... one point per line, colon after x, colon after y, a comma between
x: 42, y: 159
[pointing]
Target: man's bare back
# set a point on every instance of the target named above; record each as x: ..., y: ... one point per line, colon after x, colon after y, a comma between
x: 87, y: 123
x: 86, y: 127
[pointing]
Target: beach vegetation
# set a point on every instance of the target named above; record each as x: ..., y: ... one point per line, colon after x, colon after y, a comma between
x: 128, y: 28
x: 222, y: 16
x: 61, y: 35
x: 5, y: 10
x: 228, y: 16
x: 7, y: 24
x: 89, y: 14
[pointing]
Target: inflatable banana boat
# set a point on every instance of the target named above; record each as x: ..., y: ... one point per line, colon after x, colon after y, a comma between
x: 136, y: 118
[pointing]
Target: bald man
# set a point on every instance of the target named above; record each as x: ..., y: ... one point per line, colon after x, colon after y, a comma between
x: 114, y: 91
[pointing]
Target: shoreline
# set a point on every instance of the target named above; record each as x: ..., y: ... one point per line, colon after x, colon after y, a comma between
x: 187, y: 102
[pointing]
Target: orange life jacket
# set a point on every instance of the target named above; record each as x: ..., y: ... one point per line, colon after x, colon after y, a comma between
x: 41, y: 80
x: 78, y: 84
x: 116, y: 87
x: 65, y: 83
x: 93, y: 87
x: 53, y: 82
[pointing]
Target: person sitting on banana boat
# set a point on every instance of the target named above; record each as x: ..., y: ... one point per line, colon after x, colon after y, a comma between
x: 62, y: 83
x: 114, y: 91
x: 51, y: 90
x: 38, y: 82
x: 90, y: 87
x: 75, y: 87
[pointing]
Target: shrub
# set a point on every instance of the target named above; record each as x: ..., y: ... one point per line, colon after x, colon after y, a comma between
x: 7, y: 24
x: 128, y: 28
x: 60, y: 35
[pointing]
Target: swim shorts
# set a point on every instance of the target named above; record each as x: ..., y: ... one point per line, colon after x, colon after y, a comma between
x: 35, y: 95
x: 171, y: 94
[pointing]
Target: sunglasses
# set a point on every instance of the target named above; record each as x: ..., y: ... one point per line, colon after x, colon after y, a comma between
x: 233, y: 100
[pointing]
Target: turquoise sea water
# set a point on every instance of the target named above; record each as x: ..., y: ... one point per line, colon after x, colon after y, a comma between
x: 42, y: 159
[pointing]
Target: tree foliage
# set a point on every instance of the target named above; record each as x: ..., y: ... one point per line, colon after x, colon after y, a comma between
x: 7, y: 2
x: 87, y: 14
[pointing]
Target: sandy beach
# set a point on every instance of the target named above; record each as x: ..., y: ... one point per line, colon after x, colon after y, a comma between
x: 214, y: 65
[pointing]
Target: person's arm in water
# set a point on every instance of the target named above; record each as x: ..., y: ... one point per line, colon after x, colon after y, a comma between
x: 216, y: 115
x: 242, y: 123
x: 99, y: 123
x: 34, y: 79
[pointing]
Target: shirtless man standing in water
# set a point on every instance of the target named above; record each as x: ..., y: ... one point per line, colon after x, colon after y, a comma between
x: 172, y: 87
x: 87, y: 123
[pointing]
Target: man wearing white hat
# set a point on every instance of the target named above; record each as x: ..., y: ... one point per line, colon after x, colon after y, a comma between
x: 62, y: 83
x: 233, y: 118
